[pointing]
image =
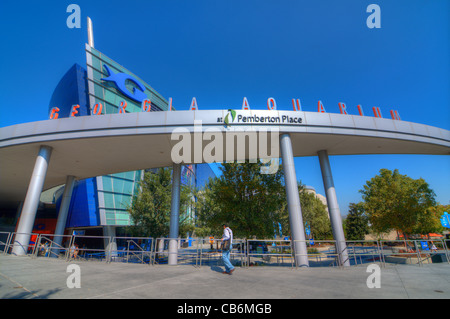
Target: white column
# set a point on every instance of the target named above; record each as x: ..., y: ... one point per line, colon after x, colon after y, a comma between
x: 31, y: 202
x: 63, y: 213
x: 333, y: 208
x: 174, y: 214
x: 109, y: 242
x: 293, y: 201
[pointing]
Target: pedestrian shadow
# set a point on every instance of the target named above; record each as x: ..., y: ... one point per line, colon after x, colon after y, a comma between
x: 22, y: 294
x: 216, y: 268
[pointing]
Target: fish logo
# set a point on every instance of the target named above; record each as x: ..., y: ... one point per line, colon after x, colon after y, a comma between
x: 233, y: 116
x: 119, y: 79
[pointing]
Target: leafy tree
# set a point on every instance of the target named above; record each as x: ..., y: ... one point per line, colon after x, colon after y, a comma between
x: 430, y: 222
x: 356, y: 223
x: 254, y: 203
x: 151, y: 206
x: 249, y: 201
x: 315, y: 213
x: 208, y: 210
x: 395, y: 201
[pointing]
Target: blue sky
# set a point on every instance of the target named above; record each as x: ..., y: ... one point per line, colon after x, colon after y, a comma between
x: 222, y: 51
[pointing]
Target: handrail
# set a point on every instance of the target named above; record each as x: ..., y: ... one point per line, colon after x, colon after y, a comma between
x: 274, y: 252
x: 115, y: 254
x: 132, y: 252
x: 5, y: 244
x: 25, y: 247
x: 50, y: 249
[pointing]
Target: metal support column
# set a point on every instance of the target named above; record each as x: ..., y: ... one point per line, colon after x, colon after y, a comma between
x: 31, y: 202
x: 174, y: 214
x: 293, y: 201
x: 333, y: 208
x: 109, y: 233
x: 63, y: 212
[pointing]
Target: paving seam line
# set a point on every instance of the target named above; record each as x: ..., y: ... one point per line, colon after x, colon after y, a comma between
x: 19, y: 285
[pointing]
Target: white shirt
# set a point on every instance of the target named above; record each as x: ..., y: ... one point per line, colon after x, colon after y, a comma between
x: 228, y: 234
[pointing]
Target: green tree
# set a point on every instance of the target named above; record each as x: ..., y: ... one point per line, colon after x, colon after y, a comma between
x: 314, y: 213
x: 254, y: 203
x: 207, y: 210
x: 395, y: 201
x: 249, y: 201
x: 430, y: 222
x: 356, y: 222
x: 151, y: 206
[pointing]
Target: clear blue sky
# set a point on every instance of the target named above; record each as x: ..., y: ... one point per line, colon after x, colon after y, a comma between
x: 221, y: 51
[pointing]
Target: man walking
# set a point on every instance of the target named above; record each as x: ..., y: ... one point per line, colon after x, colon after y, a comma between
x: 227, y: 244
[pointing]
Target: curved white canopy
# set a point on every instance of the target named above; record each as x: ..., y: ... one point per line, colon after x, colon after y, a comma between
x: 90, y: 146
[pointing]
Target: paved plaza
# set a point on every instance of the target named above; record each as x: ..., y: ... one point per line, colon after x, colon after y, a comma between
x: 28, y: 278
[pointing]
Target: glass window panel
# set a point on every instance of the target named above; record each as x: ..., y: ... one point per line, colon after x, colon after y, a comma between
x: 107, y: 185
x: 128, y: 188
x: 118, y: 185
x: 118, y: 200
x: 109, y: 200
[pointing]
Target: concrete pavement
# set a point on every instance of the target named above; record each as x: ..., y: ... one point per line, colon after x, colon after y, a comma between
x: 27, y: 278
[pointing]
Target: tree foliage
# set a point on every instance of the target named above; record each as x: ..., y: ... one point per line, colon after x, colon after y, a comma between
x: 315, y: 214
x: 250, y: 202
x: 397, y: 202
x: 356, y: 222
x: 430, y: 222
x: 151, y: 206
x: 254, y: 203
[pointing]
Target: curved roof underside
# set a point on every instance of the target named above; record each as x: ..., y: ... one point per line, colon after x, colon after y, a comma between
x: 90, y: 146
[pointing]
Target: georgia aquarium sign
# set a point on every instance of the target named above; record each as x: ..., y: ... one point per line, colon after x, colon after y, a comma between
x: 138, y: 94
x: 119, y: 79
x: 142, y: 97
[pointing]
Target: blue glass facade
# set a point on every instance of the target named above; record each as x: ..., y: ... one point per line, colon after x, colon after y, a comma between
x: 203, y: 172
x: 83, y: 211
x: 195, y: 176
x: 114, y: 87
x: 72, y: 90
x: 103, y: 200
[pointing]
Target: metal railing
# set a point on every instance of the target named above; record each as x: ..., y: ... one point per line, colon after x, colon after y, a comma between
x: 89, y: 248
x: 186, y: 251
x: 131, y: 250
x: 245, y: 253
x: 28, y: 249
x: 4, y: 241
x: 321, y: 253
x: 209, y: 252
x: 271, y: 252
x: 364, y: 251
x: 49, y: 246
x: 414, y: 251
